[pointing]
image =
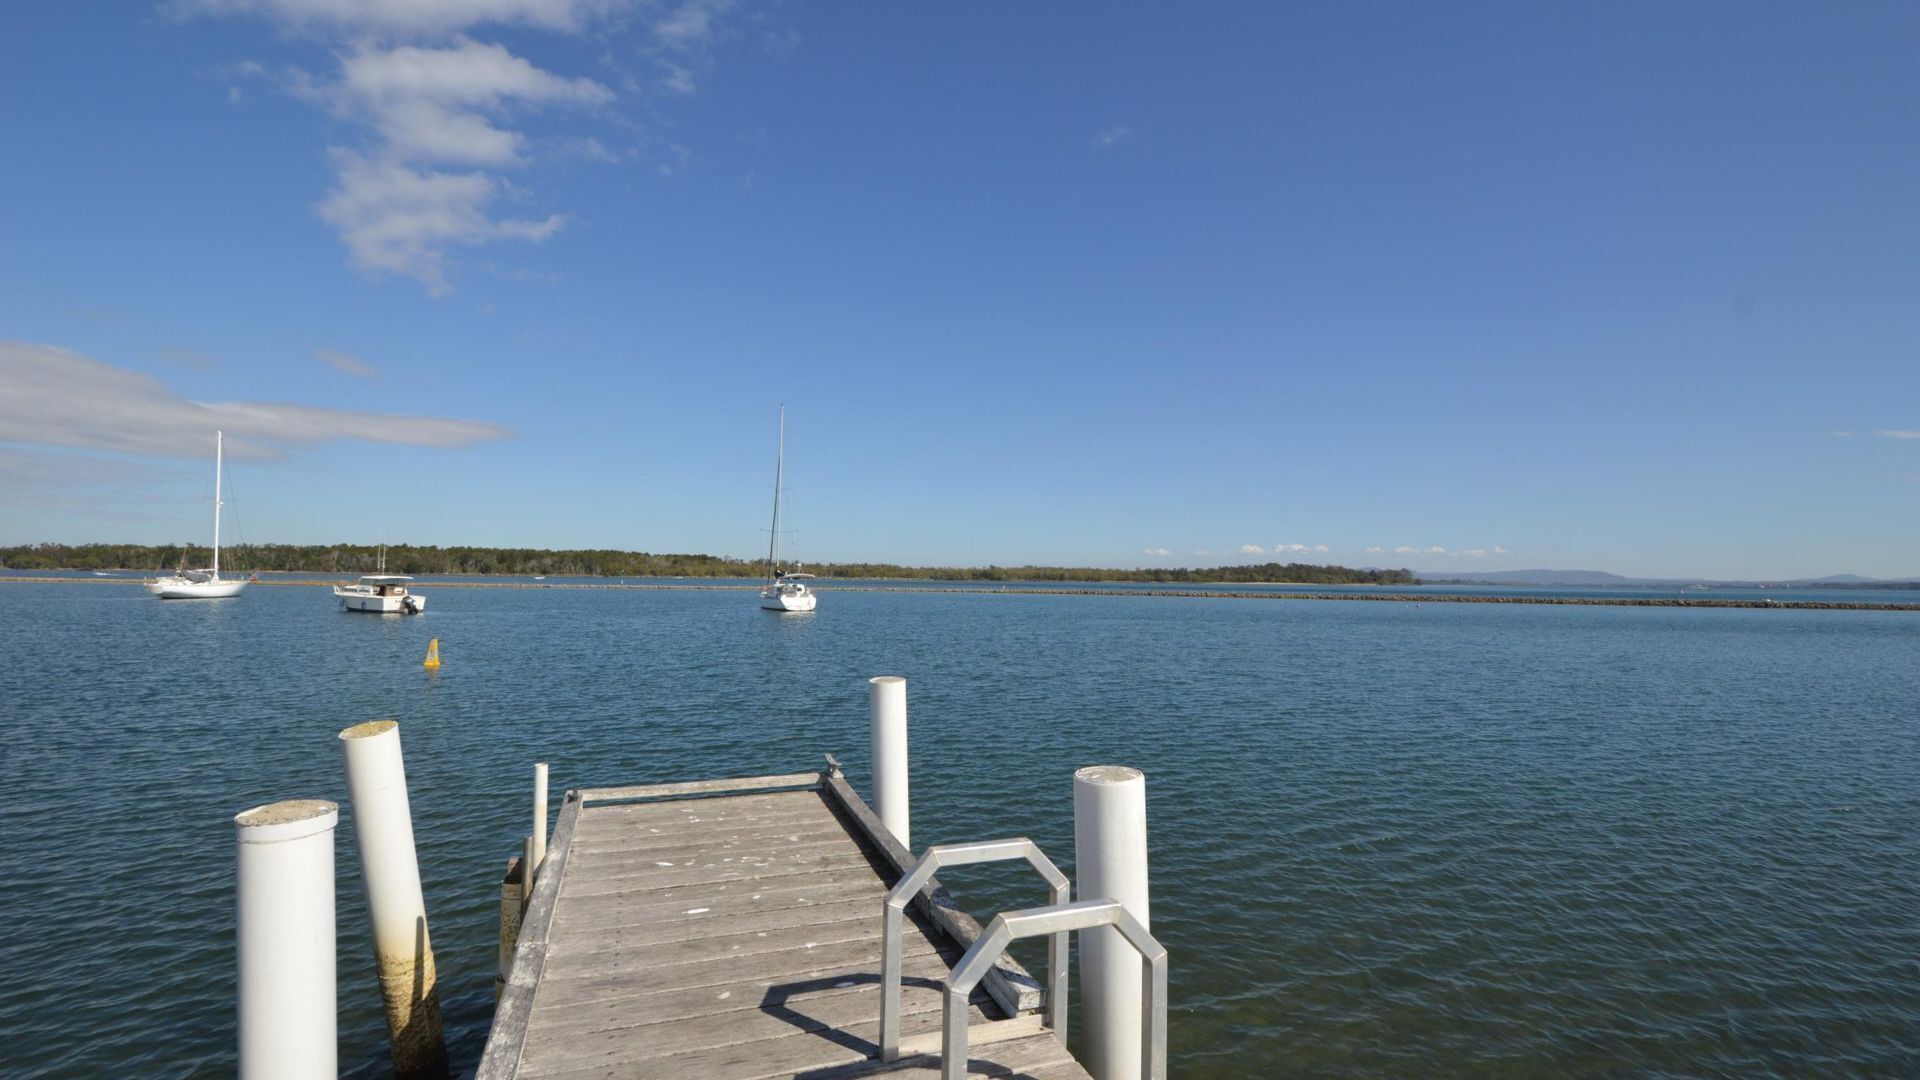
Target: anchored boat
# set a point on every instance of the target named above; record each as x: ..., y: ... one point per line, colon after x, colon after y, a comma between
x: 381, y: 594
x: 783, y: 591
x: 202, y: 584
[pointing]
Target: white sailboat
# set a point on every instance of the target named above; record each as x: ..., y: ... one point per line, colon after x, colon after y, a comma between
x: 202, y: 584
x: 783, y: 591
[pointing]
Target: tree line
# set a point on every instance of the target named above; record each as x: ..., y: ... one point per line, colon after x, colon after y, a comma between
x: 411, y: 559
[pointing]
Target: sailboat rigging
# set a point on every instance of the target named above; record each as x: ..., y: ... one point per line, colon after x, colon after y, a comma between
x: 783, y: 591
x: 202, y: 584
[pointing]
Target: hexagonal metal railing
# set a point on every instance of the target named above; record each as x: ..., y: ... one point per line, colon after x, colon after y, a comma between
x: 1058, y: 920
x: 909, y: 886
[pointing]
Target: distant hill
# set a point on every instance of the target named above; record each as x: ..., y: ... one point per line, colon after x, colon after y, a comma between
x: 1601, y: 578
x: 1531, y: 577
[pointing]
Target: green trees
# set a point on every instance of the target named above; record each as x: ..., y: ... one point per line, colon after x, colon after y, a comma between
x: 353, y: 559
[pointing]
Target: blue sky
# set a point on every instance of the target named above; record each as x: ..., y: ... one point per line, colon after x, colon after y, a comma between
x: 1455, y: 288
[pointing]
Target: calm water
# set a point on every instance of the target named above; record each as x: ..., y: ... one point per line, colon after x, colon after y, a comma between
x: 1387, y: 838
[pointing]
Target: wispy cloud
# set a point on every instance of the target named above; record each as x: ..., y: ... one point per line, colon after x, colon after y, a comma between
x: 415, y: 16
x: 1112, y: 136
x: 192, y: 359
x: 352, y: 365
x: 1375, y: 550
x: 436, y: 119
x: 1252, y: 549
x: 1156, y: 552
x: 1300, y: 549
x: 62, y: 480
x: 53, y: 397
x: 1896, y: 434
x: 1440, y: 550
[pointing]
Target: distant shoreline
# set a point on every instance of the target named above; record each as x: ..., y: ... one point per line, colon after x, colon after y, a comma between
x: 694, y: 585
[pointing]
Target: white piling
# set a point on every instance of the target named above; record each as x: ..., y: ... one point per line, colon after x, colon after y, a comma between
x: 285, y: 937
x: 1110, y: 861
x: 403, y: 953
x: 539, y: 819
x: 887, y: 707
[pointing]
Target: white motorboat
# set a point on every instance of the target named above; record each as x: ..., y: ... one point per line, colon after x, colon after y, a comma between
x: 202, y: 584
x: 381, y: 594
x: 783, y: 591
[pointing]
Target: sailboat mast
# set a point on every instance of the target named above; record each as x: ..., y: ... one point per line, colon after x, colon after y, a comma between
x: 779, y: 470
x: 219, y: 459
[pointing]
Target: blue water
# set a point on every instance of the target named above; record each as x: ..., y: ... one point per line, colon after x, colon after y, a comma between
x: 1777, y: 594
x: 1387, y: 839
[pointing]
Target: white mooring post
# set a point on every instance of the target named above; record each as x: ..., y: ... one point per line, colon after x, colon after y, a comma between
x: 1110, y: 862
x: 887, y: 706
x: 285, y: 936
x: 383, y: 828
x: 539, y: 820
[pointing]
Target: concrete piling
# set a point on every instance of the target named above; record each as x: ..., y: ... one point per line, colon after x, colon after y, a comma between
x: 285, y: 940
x: 887, y: 711
x: 403, y: 952
x: 1110, y: 862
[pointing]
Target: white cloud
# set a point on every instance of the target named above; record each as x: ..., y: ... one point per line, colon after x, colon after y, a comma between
x: 1375, y: 550
x: 468, y: 73
x: 429, y: 131
x: 1203, y: 551
x: 1156, y: 552
x: 53, y: 397
x: 689, y: 23
x: 1898, y: 434
x: 1841, y: 434
x: 430, y: 105
x: 399, y: 220
x: 1321, y: 548
x: 352, y: 365
x: 1252, y: 549
x: 417, y: 16
x: 678, y: 79
x: 438, y: 123
x: 1436, y: 549
x: 1112, y: 136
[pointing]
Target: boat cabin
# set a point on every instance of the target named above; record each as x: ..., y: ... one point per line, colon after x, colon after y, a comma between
x: 386, y: 584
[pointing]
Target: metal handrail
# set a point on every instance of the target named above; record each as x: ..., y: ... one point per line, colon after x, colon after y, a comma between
x: 1058, y: 920
x: 916, y: 879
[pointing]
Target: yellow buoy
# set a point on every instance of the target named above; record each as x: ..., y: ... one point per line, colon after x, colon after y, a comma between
x: 433, y: 654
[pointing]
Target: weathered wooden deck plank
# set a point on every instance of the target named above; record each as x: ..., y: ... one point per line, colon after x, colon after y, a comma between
x: 698, y: 923
x: 754, y: 851
x: 642, y: 878
x: 722, y: 810
x: 811, y: 1057
x: 578, y: 958
x: 732, y: 936
x: 645, y: 1005
x: 676, y: 837
x: 856, y: 956
x: 808, y: 1032
x: 725, y: 899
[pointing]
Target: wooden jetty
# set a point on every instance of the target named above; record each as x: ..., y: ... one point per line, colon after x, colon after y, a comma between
x: 733, y: 929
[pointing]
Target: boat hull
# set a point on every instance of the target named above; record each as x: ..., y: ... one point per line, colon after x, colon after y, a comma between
x: 409, y: 604
x: 195, y: 590
x: 788, y: 601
